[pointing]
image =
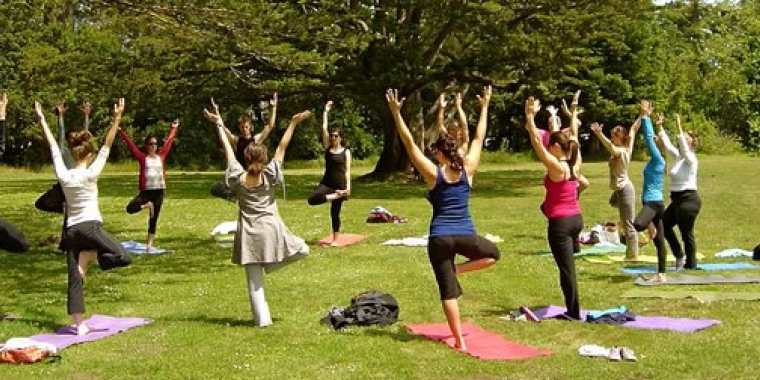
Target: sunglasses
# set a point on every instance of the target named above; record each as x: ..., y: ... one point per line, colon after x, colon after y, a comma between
x: 334, y: 136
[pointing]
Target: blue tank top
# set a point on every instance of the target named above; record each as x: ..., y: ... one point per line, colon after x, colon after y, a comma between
x: 451, y: 210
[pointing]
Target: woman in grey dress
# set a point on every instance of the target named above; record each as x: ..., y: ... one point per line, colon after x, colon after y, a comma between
x: 262, y: 242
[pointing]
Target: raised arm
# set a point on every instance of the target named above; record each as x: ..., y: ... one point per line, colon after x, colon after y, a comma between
x: 86, y: 110
x: 632, y: 133
x: 60, y: 110
x: 118, y: 109
x: 49, y: 138
x: 259, y: 138
x: 683, y: 145
x: 222, y: 132
x: 575, y: 122
x: 426, y: 167
x: 440, y: 115
x: 648, y: 130
x: 476, y: 147
x: 597, y: 129
x: 3, y: 107
x: 464, y: 135
x: 169, y: 140
x: 325, y: 120
x: 532, y: 106
x: 279, y: 154
x: 136, y: 152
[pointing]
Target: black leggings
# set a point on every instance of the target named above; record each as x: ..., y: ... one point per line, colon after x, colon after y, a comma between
x: 319, y: 196
x: 11, y: 239
x: 653, y: 212
x: 441, y: 252
x: 562, y: 234
x: 90, y: 236
x: 682, y: 212
x: 145, y: 196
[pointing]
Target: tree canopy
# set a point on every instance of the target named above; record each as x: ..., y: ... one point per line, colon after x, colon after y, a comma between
x: 169, y: 57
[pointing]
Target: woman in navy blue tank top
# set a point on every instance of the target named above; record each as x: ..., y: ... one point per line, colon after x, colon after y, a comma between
x: 335, y: 186
x: 452, y: 231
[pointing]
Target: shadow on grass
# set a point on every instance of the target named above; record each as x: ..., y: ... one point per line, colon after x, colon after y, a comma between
x: 401, y: 335
x: 610, y: 278
x: 221, y: 321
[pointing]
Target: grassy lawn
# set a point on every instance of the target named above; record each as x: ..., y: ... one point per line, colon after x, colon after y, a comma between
x: 202, y: 323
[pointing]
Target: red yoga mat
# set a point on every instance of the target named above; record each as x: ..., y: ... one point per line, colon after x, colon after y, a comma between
x: 480, y: 343
x: 344, y: 240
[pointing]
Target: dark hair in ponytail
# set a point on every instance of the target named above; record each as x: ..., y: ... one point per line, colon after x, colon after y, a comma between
x: 256, y: 158
x: 81, y: 144
x: 448, y: 146
x: 569, y: 148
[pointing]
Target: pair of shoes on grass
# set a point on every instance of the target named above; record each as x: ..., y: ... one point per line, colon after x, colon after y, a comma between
x: 622, y: 353
x: 614, y: 354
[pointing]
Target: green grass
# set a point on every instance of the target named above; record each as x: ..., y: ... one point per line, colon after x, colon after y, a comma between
x: 202, y: 326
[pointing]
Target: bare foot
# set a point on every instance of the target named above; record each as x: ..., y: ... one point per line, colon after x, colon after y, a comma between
x: 659, y: 278
x: 82, y: 329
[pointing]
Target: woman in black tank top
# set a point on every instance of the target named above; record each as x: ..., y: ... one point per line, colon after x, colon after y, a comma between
x: 335, y: 186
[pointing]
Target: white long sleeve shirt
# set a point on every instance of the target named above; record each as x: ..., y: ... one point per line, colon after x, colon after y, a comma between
x: 80, y: 186
x: 683, y: 173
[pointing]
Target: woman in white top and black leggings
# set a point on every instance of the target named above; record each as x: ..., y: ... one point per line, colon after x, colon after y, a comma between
x: 84, y: 224
x: 684, y: 200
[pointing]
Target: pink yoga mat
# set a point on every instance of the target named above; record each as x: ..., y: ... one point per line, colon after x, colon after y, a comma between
x: 101, y: 326
x: 344, y: 240
x: 642, y: 322
x: 480, y: 343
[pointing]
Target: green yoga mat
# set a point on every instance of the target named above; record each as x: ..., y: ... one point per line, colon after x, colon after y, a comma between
x: 593, y: 251
x: 700, y: 295
x: 686, y: 279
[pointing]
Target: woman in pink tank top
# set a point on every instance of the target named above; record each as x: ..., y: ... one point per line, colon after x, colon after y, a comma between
x: 560, y: 156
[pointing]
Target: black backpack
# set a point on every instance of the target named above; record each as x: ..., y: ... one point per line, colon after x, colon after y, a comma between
x: 756, y: 253
x: 368, y: 308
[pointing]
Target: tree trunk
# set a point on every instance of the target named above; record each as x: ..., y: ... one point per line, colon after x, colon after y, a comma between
x: 393, y: 158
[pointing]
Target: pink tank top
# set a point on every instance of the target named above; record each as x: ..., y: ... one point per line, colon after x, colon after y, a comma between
x: 561, y: 198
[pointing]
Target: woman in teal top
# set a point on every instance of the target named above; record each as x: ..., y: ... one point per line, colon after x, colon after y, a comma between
x: 653, y: 207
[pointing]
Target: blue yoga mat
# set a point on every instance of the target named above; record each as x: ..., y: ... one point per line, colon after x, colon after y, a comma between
x: 141, y: 249
x: 710, y: 266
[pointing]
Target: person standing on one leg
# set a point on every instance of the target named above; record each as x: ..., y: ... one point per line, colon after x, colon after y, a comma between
x: 152, y: 177
x: 685, y: 202
x: 240, y: 142
x: 560, y: 206
x: 452, y: 230
x: 87, y: 241
x: 335, y: 186
x: 11, y: 239
x: 652, y: 210
x: 262, y: 242
x: 623, y: 194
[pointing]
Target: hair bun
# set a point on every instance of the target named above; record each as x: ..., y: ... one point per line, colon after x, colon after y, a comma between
x: 79, y: 138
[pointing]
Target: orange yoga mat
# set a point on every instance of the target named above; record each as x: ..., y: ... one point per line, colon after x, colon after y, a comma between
x: 480, y: 343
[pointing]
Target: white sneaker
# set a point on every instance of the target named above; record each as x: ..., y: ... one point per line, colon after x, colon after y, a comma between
x: 628, y: 354
x: 594, y: 351
x: 614, y: 354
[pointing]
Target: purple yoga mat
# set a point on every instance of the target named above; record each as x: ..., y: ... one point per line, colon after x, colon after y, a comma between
x: 642, y: 322
x: 101, y: 326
